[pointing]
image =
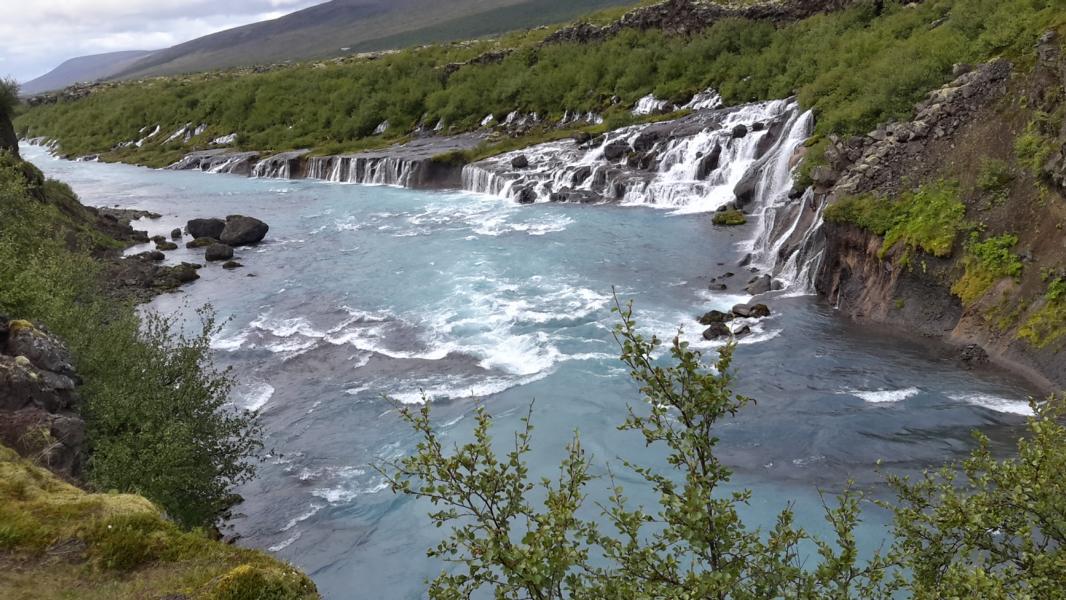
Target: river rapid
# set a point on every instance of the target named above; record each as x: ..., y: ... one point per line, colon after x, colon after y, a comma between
x: 362, y: 292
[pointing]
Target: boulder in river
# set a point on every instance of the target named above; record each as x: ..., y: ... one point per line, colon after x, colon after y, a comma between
x: 714, y: 316
x: 166, y: 246
x: 217, y: 252
x: 759, y: 285
x: 520, y: 162
x: 176, y: 234
x: 232, y: 264
x: 205, y: 228
x: 243, y: 231
x: 740, y: 131
x: 716, y: 331
x: 526, y: 196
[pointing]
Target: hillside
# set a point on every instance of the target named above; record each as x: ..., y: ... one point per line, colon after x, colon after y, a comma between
x: 340, y: 27
x: 83, y: 69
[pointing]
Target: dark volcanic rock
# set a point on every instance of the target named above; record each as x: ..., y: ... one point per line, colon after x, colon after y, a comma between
x: 176, y: 234
x: 243, y: 231
x: 166, y: 246
x: 759, y: 285
x: 217, y: 252
x: 526, y: 196
x: 740, y: 131
x: 38, y: 397
x: 716, y: 331
x: 205, y: 228
x: 714, y: 316
x: 232, y: 264
x: 709, y: 163
x: 616, y: 150
x: 520, y: 162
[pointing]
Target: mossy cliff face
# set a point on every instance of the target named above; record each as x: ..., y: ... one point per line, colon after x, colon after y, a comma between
x: 995, y: 282
x: 57, y: 541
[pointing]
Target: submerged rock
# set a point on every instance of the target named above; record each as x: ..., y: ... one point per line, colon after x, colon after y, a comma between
x: 201, y: 242
x: 217, y: 252
x: 232, y: 264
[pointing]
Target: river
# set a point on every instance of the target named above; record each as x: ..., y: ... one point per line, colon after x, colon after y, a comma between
x: 363, y: 292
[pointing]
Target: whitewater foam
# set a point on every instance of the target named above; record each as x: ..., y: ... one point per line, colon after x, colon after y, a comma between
x: 884, y: 396
x: 995, y: 403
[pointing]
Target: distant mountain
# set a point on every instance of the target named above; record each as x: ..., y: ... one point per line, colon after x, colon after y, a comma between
x: 84, y: 68
x: 342, y: 26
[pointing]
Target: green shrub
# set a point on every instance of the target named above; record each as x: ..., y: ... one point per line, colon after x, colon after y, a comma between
x: 1048, y: 323
x: 729, y: 218
x: 995, y: 176
x: 155, y: 409
x: 247, y: 582
x: 986, y: 262
x: 929, y: 219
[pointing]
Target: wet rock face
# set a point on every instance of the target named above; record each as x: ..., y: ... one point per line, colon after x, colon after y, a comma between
x: 38, y: 398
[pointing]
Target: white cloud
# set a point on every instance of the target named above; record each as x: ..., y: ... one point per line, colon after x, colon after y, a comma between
x: 43, y: 33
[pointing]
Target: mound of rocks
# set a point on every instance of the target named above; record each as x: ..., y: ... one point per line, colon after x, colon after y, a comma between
x: 37, y: 398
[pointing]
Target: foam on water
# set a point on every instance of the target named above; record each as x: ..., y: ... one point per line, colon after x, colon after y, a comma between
x: 885, y: 396
x: 255, y: 396
x: 996, y: 403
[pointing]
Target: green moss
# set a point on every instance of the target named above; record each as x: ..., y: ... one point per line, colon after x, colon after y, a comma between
x: 986, y: 262
x: 248, y: 582
x: 928, y: 220
x: 119, y: 547
x: 1048, y: 323
x: 729, y: 218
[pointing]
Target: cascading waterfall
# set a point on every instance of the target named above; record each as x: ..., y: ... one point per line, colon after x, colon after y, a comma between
x: 740, y: 157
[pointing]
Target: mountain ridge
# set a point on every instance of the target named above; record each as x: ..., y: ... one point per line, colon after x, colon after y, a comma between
x: 83, y: 69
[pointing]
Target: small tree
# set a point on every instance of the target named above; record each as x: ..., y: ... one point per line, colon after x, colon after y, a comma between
x: 694, y: 546
x: 9, y: 97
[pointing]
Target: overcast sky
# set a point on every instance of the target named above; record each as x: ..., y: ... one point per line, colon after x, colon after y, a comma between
x: 40, y: 34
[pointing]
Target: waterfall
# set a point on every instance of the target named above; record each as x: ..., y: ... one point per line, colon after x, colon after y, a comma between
x: 741, y: 157
x: 368, y: 170
x: 692, y: 164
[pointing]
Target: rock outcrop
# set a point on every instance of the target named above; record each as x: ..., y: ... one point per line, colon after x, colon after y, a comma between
x: 955, y: 134
x: 38, y: 398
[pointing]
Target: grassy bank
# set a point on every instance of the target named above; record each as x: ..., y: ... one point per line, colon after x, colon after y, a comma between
x: 57, y: 541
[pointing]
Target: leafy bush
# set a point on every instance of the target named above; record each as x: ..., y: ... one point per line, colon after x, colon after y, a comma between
x: 1048, y: 323
x: 928, y: 220
x: 155, y: 410
x: 993, y: 533
x: 987, y: 262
